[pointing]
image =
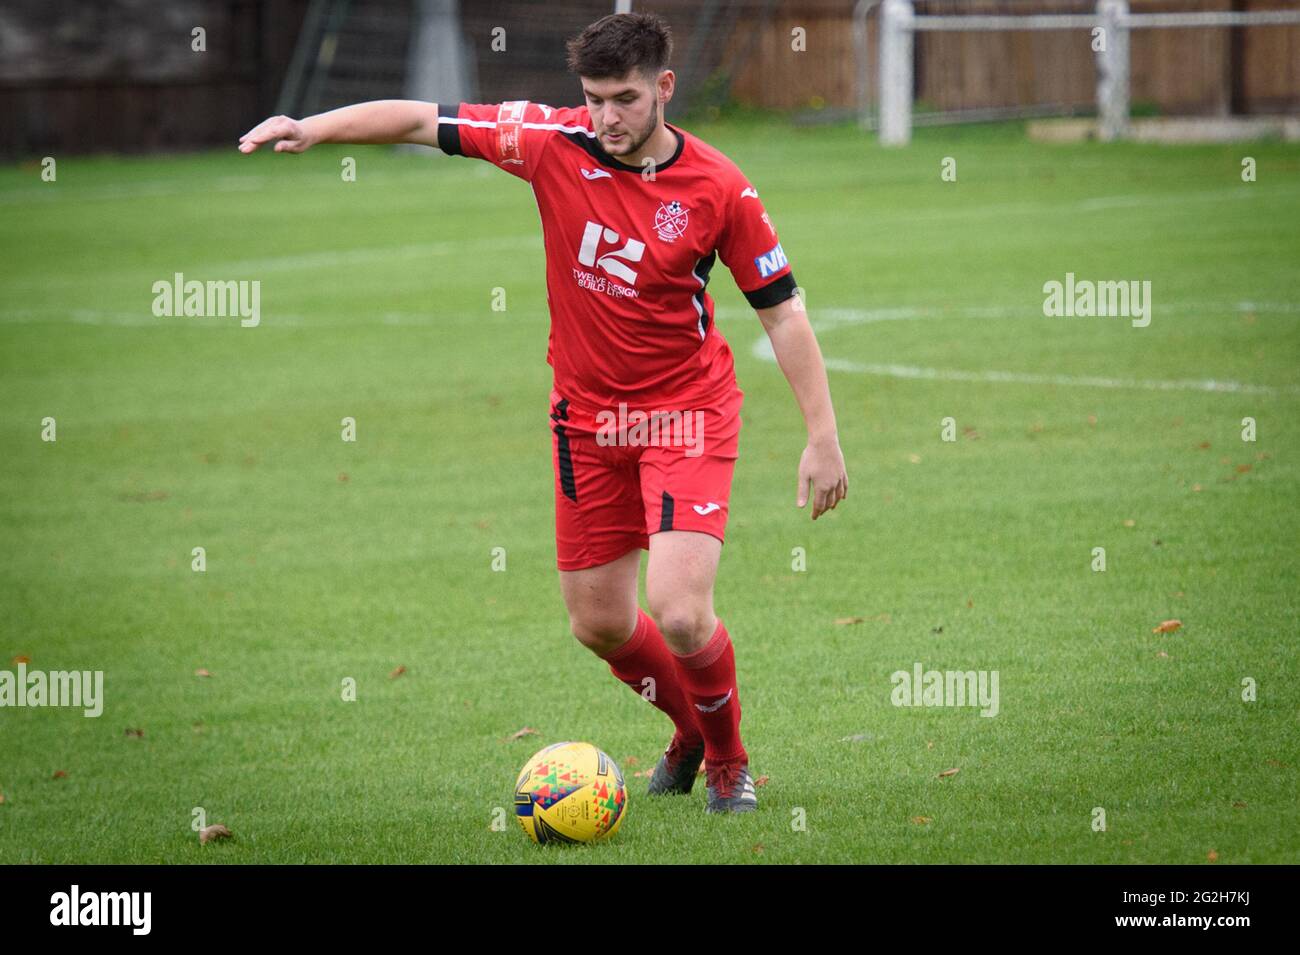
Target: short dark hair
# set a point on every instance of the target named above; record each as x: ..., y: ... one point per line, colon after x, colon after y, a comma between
x: 619, y: 43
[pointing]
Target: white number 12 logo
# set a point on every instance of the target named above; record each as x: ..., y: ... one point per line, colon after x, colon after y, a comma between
x: 611, y: 262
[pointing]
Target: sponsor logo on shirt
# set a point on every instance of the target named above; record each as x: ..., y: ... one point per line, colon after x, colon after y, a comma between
x: 771, y: 261
x: 510, y: 141
x: 598, y: 283
x: 615, y: 261
x: 596, y: 173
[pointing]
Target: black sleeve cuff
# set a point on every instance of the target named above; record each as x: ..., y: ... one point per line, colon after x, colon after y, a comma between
x: 774, y: 293
x: 449, y: 133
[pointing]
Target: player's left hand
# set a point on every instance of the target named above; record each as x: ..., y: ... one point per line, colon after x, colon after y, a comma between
x: 822, y: 463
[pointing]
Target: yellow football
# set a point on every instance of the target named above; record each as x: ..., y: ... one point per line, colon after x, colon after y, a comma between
x: 570, y: 793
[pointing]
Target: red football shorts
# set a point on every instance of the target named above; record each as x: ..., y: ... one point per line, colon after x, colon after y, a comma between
x: 623, y: 474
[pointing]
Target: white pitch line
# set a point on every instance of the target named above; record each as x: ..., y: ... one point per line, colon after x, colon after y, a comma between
x: 332, y: 259
x: 1084, y: 381
x: 762, y: 349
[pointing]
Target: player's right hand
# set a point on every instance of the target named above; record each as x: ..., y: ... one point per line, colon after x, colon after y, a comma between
x: 292, y: 136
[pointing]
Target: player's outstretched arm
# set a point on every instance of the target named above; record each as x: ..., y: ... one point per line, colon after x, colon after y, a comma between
x: 795, y: 346
x: 376, y: 122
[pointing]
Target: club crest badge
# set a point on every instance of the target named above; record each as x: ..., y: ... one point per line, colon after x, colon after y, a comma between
x: 670, y: 221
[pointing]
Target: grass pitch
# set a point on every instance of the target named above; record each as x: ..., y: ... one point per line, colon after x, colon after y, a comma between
x: 329, y: 560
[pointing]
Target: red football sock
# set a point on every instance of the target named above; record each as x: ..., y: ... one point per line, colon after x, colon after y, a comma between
x: 708, y: 678
x: 646, y: 655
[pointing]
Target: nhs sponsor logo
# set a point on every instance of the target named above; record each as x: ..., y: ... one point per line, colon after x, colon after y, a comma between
x: 772, y: 261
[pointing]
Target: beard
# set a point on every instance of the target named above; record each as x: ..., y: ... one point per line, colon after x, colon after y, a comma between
x: 633, y: 140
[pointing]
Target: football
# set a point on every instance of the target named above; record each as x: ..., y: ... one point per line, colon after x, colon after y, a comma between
x: 570, y: 793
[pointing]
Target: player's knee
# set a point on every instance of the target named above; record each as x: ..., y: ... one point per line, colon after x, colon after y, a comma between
x: 682, y: 623
x: 600, y: 633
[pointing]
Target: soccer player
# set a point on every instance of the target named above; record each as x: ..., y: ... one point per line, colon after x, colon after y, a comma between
x: 645, y: 409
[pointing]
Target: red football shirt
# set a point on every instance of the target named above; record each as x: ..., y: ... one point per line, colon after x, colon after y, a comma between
x: 628, y: 257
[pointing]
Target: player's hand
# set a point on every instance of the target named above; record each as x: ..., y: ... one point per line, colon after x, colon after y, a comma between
x: 292, y: 136
x: 822, y: 463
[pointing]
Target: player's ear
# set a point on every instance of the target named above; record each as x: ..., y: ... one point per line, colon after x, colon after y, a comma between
x: 667, y: 81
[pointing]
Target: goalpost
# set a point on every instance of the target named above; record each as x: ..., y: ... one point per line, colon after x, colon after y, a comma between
x: 1106, y: 31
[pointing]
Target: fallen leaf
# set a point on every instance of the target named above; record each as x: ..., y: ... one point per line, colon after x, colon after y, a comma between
x: 1212, y: 856
x: 1130, y: 523
x: 950, y: 772
x: 761, y: 780
x: 217, y: 831
x: 922, y: 820
x: 1197, y: 488
x: 1278, y: 763
x: 1167, y: 626
x: 844, y: 621
x: 397, y: 671
x: 1162, y: 654
x: 2, y: 799
x: 971, y: 433
x: 1243, y: 468
x: 643, y: 773
x: 202, y: 673
x: 1204, y: 445
x: 21, y: 658
x: 631, y: 761
x: 758, y: 848
x: 137, y: 733
x: 929, y: 744
x: 1157, y: 542
x: 1092, y: 420
x: 60, y: 774
x: 914, y: 458
x: 521, y: 733
x: 343, y: 477
x: 970, y: 603
x: 1238, y: 805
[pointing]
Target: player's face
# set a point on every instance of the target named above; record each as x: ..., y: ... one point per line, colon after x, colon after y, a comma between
x: 623, y: 111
